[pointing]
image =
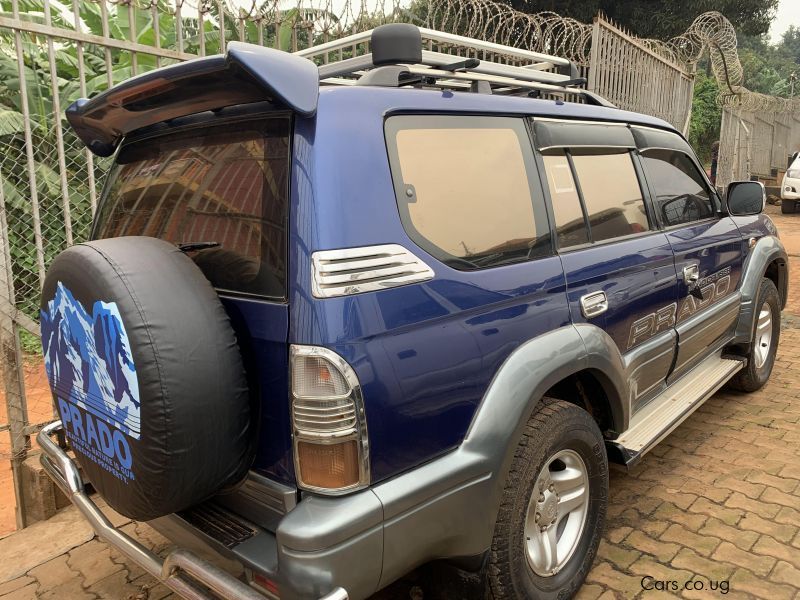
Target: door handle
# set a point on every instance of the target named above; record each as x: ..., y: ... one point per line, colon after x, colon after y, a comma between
x: 691, y: 274
x: 594, y: 304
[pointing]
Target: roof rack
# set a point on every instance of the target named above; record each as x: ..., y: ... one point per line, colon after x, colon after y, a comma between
x: 395, y: 55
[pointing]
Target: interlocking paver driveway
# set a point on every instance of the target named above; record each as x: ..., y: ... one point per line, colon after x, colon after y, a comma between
x: 716, y: 503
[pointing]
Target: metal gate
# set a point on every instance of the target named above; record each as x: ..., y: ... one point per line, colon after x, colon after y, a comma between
x: 756, y: 144
x: 635, y: 78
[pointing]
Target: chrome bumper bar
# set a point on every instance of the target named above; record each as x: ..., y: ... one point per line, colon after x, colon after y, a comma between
x: 182, y: 571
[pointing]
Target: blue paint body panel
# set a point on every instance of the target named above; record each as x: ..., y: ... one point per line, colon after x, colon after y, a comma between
x: 261, y: 330
x: 424, y: 354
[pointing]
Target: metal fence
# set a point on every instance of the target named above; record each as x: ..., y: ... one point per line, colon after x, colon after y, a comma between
x: 756, y: 144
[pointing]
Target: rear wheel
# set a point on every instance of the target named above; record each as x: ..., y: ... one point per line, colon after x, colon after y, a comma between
x: 764, y: 340
x: 553, y: 507
x: 788, y: 206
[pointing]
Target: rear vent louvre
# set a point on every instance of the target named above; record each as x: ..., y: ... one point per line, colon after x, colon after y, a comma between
x: 357, y: 270
x: 218, y: 524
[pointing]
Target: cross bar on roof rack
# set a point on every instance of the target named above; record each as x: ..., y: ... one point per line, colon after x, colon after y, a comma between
x: 443, y: 38
x: 393, y: 52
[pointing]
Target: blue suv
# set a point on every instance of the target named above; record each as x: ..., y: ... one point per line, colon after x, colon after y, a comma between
x: 342, y: 318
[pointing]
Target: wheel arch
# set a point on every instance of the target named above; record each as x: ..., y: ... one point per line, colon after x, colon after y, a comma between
x: 767, y: 258
x: 593, y: 391
x: 778, y: 272
x: 566, y: 354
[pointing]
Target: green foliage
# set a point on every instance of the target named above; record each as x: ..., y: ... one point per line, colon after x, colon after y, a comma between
x: 706, y: 114
x: 31, y: 344
x: 768, y: 68
x: 660, y: 19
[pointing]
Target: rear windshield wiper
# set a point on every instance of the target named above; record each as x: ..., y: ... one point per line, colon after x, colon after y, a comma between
x: 193, y: 246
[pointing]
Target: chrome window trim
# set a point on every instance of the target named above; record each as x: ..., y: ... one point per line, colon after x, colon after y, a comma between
x: 349, y: 271
x: 579, y: 121
x: 359, y: 434
x: 590, y: 146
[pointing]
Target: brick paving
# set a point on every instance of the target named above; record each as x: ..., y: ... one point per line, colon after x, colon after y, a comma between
x: 716, y: 504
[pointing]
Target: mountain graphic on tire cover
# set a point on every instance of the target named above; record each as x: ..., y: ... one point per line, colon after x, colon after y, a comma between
x: 88, y: 360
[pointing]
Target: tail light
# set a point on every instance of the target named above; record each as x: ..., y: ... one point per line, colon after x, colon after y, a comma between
x: 331, y: 451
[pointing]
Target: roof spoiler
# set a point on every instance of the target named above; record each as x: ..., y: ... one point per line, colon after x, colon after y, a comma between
x: 246, y: 73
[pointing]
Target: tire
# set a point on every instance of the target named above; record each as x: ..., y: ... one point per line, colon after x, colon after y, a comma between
x: 788, y: 207
x: 557, y: 429
x: 146, y: 375
x: 760, y: 362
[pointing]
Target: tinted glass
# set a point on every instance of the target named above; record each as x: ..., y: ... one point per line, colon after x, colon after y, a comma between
x: 612, y: 195
x: 227, y: 185
x: 464, y: 189
x: 570, y: 224
x: 681, y: 194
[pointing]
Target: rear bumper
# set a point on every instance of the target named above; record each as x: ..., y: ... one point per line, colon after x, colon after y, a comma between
x: 323, y: 546
x: 182, y: 570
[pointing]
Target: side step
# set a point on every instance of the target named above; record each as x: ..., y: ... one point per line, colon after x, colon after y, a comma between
x: 669, y: 409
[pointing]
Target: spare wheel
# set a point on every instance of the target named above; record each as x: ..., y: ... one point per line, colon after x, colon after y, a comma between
x: 146, y: 375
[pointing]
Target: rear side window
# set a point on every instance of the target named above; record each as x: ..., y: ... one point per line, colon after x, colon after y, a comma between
x: 595, y: 194
x: 680, y: 192
x: 611, y: 194
x: 225, y: 185
x: 464, y: 189
x: 570, y: 222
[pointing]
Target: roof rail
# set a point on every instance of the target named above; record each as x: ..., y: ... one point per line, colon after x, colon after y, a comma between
x: 437, y: 58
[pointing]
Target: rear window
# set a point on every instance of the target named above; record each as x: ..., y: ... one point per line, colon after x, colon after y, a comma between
x: 225, y: 185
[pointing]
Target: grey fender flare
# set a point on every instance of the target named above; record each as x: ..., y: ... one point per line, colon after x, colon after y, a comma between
x: 520, y: 383
x: 766, y: 250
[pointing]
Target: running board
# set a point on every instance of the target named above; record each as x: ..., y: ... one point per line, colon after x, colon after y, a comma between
x: 670, y: 408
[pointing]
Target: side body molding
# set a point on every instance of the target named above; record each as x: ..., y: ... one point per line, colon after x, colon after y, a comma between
x: 767, y: 249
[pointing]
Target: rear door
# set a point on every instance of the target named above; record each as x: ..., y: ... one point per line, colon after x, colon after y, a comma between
x: 223, y: 186
x: 619, y: 267
x: 707, y: 245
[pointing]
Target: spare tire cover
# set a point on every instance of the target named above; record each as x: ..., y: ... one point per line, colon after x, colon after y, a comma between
x: 146, y: 374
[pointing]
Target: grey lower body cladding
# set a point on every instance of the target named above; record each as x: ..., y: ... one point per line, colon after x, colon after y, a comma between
x: 314, y: 549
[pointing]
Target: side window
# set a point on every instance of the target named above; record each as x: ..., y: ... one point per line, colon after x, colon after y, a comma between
x: 681, y: 194
x: 611, y: 194
x: 570, y: 222
x: 464, y: 188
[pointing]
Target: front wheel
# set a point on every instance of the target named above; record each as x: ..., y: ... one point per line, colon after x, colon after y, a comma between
x: 764, y: 341
x: 553, y: 506
x: 788, y: 206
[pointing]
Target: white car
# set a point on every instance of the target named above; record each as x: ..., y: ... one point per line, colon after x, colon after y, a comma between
x: 790, y: 187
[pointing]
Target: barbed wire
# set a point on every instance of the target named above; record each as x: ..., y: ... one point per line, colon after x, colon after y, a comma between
x: 548, y: 32
x: 491, y: 21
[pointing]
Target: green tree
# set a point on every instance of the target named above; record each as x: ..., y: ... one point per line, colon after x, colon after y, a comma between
x: 767, y: 67
x: 706, y: 115
x: 660, y: 19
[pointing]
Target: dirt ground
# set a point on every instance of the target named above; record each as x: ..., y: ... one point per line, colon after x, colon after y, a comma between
x: 40, y: 411
x: 715, y: 508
